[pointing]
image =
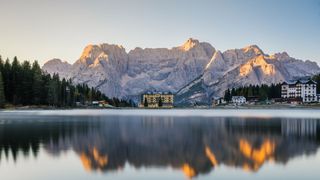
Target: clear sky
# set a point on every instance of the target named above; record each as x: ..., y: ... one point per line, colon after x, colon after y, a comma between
x: 45, y: 29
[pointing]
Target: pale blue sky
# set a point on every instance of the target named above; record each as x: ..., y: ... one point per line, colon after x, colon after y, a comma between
x: 45, y: 29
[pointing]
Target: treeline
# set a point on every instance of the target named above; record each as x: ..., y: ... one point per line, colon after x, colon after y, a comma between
x: 262, y: 92
x: 316, y: 78
x: 26, y: 84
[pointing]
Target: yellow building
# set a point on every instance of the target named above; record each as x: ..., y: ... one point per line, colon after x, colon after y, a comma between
x: 157, y: 100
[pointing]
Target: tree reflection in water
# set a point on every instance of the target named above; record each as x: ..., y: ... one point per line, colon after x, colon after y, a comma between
x: 195, y: 145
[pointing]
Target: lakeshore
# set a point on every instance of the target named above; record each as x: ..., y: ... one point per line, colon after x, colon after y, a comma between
x: 182, y: 112
x: 244, y: 106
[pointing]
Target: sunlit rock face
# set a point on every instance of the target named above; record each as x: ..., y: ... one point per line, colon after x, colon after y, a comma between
x: 194, y: 70
x: 193, y: 146
x: 243, y: 67
x: 101, y: 66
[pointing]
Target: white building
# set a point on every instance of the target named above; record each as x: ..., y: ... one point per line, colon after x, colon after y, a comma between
x: 304, y: 89
x: 238, y: 100
x: 217, y: 101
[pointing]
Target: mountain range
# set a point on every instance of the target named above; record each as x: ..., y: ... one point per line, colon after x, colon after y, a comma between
x: 195, y: 71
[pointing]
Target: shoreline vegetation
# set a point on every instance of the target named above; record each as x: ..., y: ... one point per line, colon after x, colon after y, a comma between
x: 25, y: 84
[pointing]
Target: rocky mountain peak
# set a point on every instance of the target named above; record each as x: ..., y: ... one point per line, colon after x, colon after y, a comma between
x: 90, y: 51
x: 56, y: 61
x: 95, y: 50
x: 112, y: 48
x: 282, y: 56
x: 253, y: 49
x: 189, y: 44
x: 93, y: 54
x: 57, y: 66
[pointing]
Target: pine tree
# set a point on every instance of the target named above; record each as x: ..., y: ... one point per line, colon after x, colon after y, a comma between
x: 71, y: 95
x: 131, y: 103
x: 316, y: 78
x: 1, y: 65
x: 15, y: 81
x: 63, y: 92
x: 37, y: 83
x: 227, y: 95
x: 46, y: 79
x: 2, y: 97
x: 6, y: 76
x: 25, y: 93
x: 160, y: 102
x: 250, y: 91
x: 53, y: 91
x: 116, y: 102
x: 233, y: 92
x: 263, y: 93
x: 145, y: 104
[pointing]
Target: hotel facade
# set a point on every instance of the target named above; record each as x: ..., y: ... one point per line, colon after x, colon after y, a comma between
x: 157, y: 100
x: 306, y: 90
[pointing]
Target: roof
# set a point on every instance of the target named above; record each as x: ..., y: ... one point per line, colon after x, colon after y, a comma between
x: 300, y: 81
x: 158, y: 92
x: 238, y: 97
x: 216, y: 98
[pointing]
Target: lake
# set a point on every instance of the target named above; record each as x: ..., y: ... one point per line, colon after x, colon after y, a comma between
x: 160, y: 144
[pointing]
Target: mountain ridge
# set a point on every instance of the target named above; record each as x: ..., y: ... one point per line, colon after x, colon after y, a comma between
x: 123, y: 74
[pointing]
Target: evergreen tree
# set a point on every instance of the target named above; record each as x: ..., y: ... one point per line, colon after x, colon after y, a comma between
x: 24, y: 93
x: 15, y: 81
x: 1, y: 65
x: 250, y: 91
x: 233, y: 92
x: 70, y: 94
x: 53, y: 91
x: 227, y: 95
x: 63, y: 92
x: 160, y: 102
x: 116, y: 102
x: 316, y: 78
x: 6, y: 73
x: 145, y: 104
x: 2, y: 97
x: 37, y: 83
x: 44, y: 97
x: 131, y: 103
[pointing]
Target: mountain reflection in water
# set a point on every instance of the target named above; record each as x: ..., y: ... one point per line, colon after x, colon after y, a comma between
x: 195, y: 145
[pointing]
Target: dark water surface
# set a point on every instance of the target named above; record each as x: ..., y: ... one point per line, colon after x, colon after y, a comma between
x: 62, y: 146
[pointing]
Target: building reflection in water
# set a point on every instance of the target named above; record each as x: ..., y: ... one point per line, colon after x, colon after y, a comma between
x: 194, y: 145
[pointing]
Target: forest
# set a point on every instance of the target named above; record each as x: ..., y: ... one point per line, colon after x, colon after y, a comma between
x: 23, y: 84
x: 316, y: 78
x: 263, y: 92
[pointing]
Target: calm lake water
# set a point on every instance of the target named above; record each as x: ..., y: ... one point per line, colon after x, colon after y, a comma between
x: 160, y: 144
